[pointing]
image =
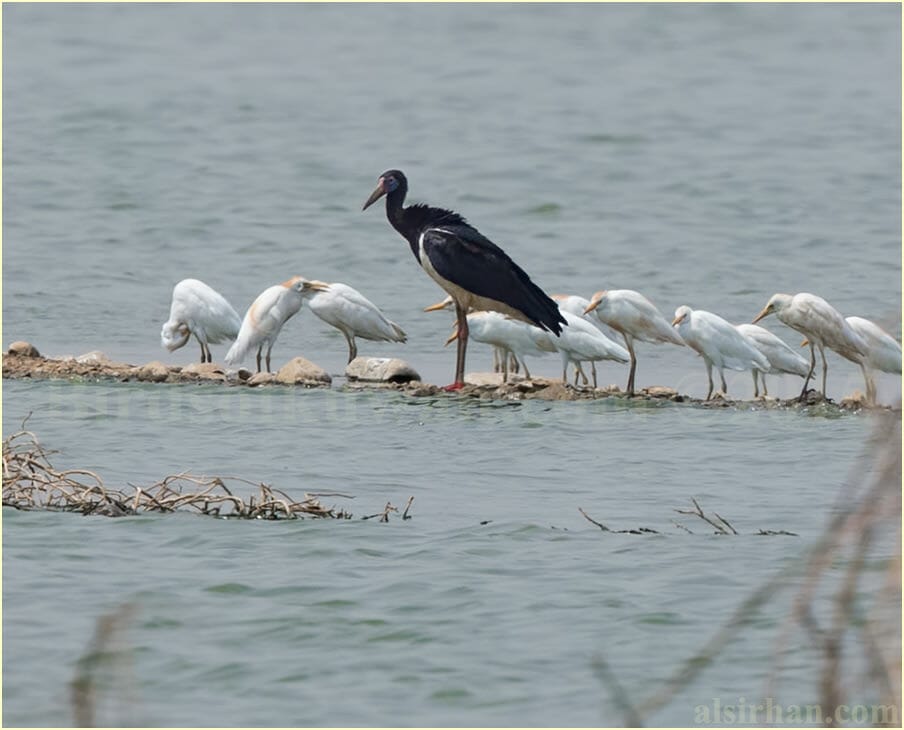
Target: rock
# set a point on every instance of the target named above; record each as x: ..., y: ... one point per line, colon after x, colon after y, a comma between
x: 95, y: 357
x: 381, y: 370
x: 299, y: 370
x: 659, y: 391
x: 855, y: 401
x: 23, y: 349
x: 204, y: 371
x: 482, y: 379
x: 153, y: 372
x: 243, y: 374
x: 260, y: 379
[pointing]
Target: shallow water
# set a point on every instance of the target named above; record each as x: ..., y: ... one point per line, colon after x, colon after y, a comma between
x: 707, y: 155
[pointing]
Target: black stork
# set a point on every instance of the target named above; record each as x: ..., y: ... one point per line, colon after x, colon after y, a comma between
x: 473, y: 270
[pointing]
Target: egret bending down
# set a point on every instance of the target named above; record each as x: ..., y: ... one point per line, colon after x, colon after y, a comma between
x: 782, y: 359
x: 198, y: 310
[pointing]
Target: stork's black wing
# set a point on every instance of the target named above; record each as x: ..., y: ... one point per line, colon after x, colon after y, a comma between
x: 464, y: 256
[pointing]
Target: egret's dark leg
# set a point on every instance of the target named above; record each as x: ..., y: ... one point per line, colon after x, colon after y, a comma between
x: 629, y: 343
x: 202, y: 351
x: 526, y: 371
x: 352, y: 346
x: 461, y: 315
x: 724, y: 386
x: 763, y: 378
x: 593, y: 370
x: 209, y: 355
x: 514, y: 365
x: 756, y: 384
x: 579, y: 369
x: 497, y: 366
x: 259, y: 350
x: 505, y: 366
x: 803, y: 393
x: 269, y: 347
x: 825, y: 370
x: 709, y: 374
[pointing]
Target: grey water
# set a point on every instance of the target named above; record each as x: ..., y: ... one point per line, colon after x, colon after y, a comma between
x: 708, y: 155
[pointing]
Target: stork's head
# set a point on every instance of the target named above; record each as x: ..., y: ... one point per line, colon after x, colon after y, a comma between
x: 389, y: 182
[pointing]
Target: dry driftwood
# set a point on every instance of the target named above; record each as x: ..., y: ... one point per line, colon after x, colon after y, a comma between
x: 30, y: 482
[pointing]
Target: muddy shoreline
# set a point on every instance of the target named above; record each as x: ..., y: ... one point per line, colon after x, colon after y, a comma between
x: 97, y: 367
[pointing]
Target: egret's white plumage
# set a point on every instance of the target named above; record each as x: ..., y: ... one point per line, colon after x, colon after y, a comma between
x: 823, y: 326
x: 636, y: 318
x: 782, y: 359
x: 882, y: 351
x: 577, y: 305
x: 581, y: 341
x: 350, y: 312
x: 718, y: 342
x: 199, y: 310
x: 264, y: 319
x: 510, y: 335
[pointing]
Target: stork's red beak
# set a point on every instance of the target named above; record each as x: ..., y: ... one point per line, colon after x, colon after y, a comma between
x: 375, y: 195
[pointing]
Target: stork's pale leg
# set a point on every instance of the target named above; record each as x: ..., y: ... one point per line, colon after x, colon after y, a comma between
x: 709, y: 374
x: 803, y: 393
x: 629, y: 343
x: 514, y: 365
x: 579, y: 369
x: 756, y: 384
x: 497, y: 366
x: 526, y: 371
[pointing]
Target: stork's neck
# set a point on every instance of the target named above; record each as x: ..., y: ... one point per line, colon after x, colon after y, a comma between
x: 396, y: 214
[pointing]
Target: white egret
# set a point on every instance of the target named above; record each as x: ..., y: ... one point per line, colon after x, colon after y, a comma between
x: 635, y: 316
x: 718, y: 342
x: 882, y: 352
x: 581, y: 341
x: 264, y: 319
x: 198, y: 310
x: 822, y: 325
x: 782, y: 359
x: 350, y: 312
x: 510, y: 335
